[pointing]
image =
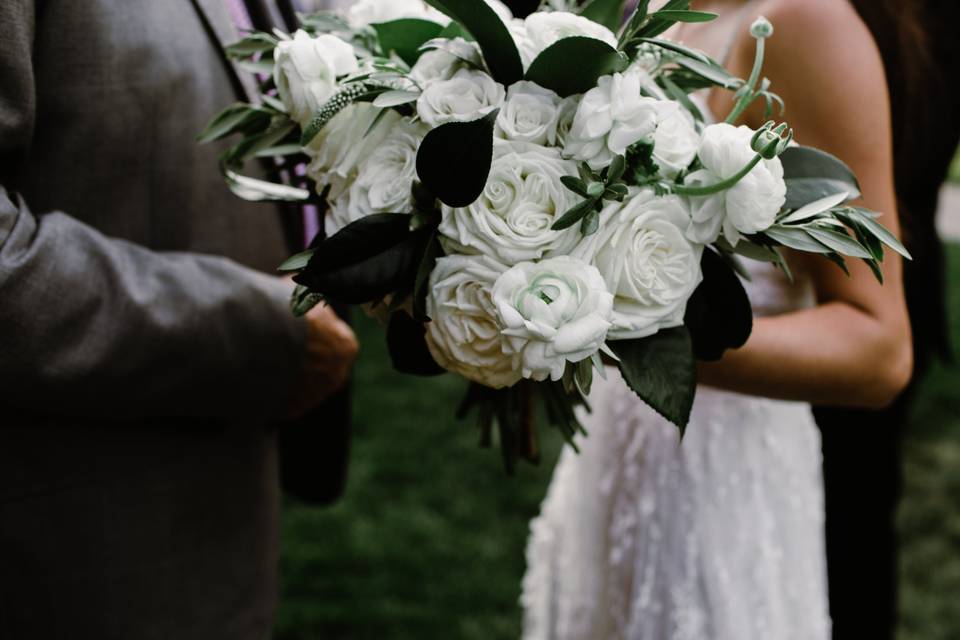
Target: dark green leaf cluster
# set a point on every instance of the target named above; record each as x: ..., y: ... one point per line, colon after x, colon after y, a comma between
x: 596, y: 188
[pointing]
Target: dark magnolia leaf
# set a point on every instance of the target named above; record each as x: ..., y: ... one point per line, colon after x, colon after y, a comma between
x: 499, y: 50
x: 361, y: 239
x: 421, y: 286
x: 406, y: 342
x: 235, y: 118
x: 453, y: 161
x: 812, y: 174
x: 795, y: 238
x: 573, y: 65
x: 372, y: 278
x: 839, y: 241
x: 406, y: 36
x: 662, y: 371
x: 719, y: 315
x: 609, y: 13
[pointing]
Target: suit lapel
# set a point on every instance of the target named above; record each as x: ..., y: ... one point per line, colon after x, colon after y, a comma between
x: 222, y: 31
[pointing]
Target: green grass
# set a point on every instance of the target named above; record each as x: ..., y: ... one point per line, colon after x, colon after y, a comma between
x: 429, y: 541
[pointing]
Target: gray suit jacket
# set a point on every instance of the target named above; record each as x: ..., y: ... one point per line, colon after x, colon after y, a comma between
x: 142, y: 352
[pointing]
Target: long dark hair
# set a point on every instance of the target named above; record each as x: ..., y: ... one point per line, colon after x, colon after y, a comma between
x: 920, y: 54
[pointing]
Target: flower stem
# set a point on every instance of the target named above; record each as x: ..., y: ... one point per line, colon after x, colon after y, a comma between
x: 749, y: 94
x: 710, y: 189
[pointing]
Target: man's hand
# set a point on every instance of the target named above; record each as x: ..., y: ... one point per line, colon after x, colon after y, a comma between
x: 331, y: 350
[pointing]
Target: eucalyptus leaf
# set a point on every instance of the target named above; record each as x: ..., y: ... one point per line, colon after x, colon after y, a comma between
x: 714, y: 73
x: 552, y: 69
x: 815, y: 208
x: 661, y: 370
x: 235, y: 118
x: 812, y: 174
x: 405, y: 36
x: 252, y: 44
x: 609, y: 13
x: 839, y: 241
x: 490, y: 32
x: 395, y: 98
x: 681, y: 49
x: 795, y: 238
x: 453, y: 161
x: 870, y: 223
x: 683, y: 16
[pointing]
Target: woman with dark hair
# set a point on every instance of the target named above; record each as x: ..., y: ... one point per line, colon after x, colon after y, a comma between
x: 862, y: 449
x: 722, y: 537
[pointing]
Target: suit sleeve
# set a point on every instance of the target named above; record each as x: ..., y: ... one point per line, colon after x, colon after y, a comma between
x: 99, y: 327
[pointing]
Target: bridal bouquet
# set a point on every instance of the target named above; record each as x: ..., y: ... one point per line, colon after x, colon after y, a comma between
x: 520, y: 199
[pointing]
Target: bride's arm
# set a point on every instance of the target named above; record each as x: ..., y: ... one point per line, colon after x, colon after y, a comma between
x: 854, y: 348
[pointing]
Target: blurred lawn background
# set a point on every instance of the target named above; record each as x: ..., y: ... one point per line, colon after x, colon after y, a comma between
x: 429, y: 541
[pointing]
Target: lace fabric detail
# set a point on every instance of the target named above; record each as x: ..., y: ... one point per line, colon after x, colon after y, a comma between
x: 720, y: 537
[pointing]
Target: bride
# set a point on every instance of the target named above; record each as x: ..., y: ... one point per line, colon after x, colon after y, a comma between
x: 720, y: 537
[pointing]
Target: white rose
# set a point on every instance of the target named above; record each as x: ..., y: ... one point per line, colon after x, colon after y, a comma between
x: 552, y: 312
x: 470, y: 94
x: 383, y: 180
x: 751, y: 205
x: 442, y: 63
x: 306, y: 71
x: 522, y: 199
x: 525, y: 46
x: 545, y: 28
x: 647, y: 262
x: 676, y: 141
x: 611, y: 117
x: 530, y: 114
x: 366, y: 12
x: 464, y: 333
x: 340, y: 147
x: 565, y: 115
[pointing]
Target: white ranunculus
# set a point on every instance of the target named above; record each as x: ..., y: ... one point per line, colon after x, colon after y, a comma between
x: 751, y: 205
x: 522, y: 199
x: 340, y: 147
x: 470, y: 94
x: 365, y: 12
x: 383, y: 180
x: 552, y: 312
x: 648, y: 263
x: 530, y: 114
x: 306, y: 71
x: 676, y: 141
x: 450, y: 56
x: 464, y: 333
x: 565, y: 115
x: 545, y: 28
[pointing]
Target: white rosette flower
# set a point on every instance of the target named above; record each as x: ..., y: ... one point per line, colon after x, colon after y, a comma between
x: 748, y: 207
x: 383, y: 180
x: 530, y: 114
x: 545, y: 28
x: 522, y: 199
x: 648, y: 263
x: 341, y: 146
x: 469, y: 95
x: 440, y: 64
x: 614, y: 115
x: 464, y: 333
x: 366, y: 12
x: 552, y: 312
x: 306, y: 71
x: 566, y: 113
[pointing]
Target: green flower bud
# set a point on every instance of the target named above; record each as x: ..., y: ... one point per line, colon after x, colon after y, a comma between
x: 761, y: 28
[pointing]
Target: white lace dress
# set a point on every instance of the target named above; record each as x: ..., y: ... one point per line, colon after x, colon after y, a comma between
x: 720, y: 537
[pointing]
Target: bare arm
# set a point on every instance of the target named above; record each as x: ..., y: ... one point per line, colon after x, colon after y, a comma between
x: 854, y: 348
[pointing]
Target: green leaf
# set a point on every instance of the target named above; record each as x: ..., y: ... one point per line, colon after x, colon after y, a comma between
x: 302, y: 301
x: 682, y: 50
x: 718, y: 314
x: 574, y: 215
x: 683, y: 16
x: 661, y: 370
x: 256, y: 190
x: 609, y: 13
x: 654, y: 26
x: 453, y: 161
x: 839, y: 241
x: 279, y: 151
x: 616, y: 169
x: 573, y: 65
x: 482, y: 22
x: 815, y: 208
x: 812, y: 174
x: 591, y: 222
x: 795, y: 238
x: 865, y: 218
x: 279, y: 130
x: 235, y: 118
x: 264, y: 66
x: 421, y: 286
x: 395, y: 98
x: 405, y: 36
x: 252, y: 44
x: 714, y: 73
x: 296, y: 262
x: 680, y: 96
x: 575, y: 184
x: 407, y: 345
